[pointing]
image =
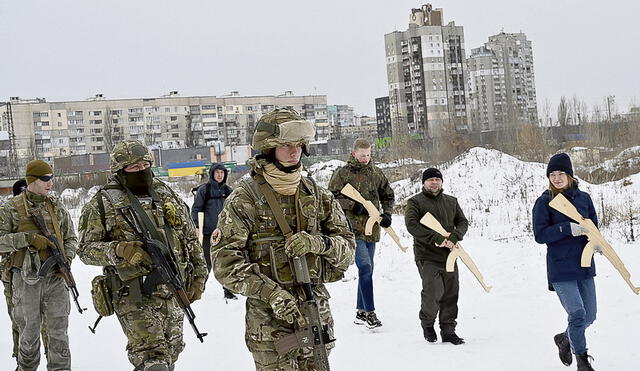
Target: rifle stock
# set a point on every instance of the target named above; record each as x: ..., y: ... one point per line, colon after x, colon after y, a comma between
x: 56, y: 258
x: 432, y: 223
x: 562, y: 205
x: 374, y: 214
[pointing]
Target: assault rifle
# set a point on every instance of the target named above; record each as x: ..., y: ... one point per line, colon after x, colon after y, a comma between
x: 596, y: 240
x: 164, y: 269
x: 374, y: 214
x: 56, y: 258
x: 431, y: 222
x: 313, y: 333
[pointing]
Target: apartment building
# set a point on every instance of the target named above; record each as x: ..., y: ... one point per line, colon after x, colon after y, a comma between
x: 383, y: 117
x: 426, y: 75
x: 501, y: 83
x: 48, y: 130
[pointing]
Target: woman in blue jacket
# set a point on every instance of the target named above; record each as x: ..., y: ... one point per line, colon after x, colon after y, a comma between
x: 565, y: 241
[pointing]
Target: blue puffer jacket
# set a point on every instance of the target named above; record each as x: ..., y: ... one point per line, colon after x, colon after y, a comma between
x: 552, y: 228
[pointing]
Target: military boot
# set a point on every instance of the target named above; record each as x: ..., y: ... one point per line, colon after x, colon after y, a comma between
x: 583, y: 362
x: 452, y: 338
x: 430, y: 334
x: 564, y: 348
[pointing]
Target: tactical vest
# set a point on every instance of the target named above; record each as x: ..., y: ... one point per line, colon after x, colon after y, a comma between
x: 26, y: 224
x: 115, y: 227
x: 265, y: 245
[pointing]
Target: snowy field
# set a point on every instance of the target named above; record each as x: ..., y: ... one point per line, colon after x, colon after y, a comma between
x: 510, y: 328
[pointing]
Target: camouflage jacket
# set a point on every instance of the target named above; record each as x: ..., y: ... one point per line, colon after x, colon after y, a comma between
x: 12, y: 241
x: 372, y: 184
x: 99, y: 234
x: 248, y: 232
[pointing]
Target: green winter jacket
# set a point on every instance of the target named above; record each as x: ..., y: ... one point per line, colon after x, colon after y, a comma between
x: 372, y: 185
x: 447, y: 211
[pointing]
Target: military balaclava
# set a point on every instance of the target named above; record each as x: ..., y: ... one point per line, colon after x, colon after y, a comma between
x: 138, y: 182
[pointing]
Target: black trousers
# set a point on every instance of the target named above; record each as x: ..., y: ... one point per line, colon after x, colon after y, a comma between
x: 206, y: 247
x: 439, y: 296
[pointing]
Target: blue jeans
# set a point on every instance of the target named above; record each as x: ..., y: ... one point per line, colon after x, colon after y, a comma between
x: 364, y: 262
x: 579, y: 301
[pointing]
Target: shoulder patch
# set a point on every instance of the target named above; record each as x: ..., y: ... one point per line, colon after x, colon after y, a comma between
x: 216, y: 236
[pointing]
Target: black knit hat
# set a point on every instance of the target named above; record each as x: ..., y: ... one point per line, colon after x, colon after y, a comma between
x: 19, y: 187
x: 431, y: 172
x: 560, y: 162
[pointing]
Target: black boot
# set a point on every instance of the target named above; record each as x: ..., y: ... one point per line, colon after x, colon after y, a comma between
x: 452, y: 338
x: 564, y: 348
x: 583, y: 362
x: 430, y: 334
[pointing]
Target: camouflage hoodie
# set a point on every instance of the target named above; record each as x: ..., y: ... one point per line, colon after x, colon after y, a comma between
x: 372, y: 184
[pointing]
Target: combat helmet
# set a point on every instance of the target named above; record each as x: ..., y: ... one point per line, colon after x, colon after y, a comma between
x: 279, y: 127
x: 129, y: 152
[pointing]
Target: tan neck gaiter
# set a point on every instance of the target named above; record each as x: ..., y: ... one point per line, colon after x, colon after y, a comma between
x: 281, y: 182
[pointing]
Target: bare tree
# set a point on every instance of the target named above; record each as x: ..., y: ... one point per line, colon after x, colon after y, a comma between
x: 563, y: 112
x: 545, y: 112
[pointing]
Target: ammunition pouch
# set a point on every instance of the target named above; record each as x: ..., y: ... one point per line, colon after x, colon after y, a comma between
x: 276, y: 264
x: 102, y: 295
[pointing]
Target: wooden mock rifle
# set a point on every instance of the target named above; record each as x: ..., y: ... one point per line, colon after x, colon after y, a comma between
x: 432, y: 223
x: 374, y: 214
x: 596, y: 240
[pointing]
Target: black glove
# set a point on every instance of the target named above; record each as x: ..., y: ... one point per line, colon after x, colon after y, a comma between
x: 358, y: 209
x: 386, y: 220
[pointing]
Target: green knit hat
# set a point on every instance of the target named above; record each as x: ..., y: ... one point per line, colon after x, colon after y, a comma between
x: 35, y: 169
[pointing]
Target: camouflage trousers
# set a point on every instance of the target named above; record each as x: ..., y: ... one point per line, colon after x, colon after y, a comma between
x: 8, y: 294
x: 45, y: 303
x: 262, y: 328
x: 153, y: 326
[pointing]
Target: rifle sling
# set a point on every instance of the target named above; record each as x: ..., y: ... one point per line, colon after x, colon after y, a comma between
x: 56, y: 225
x: 267, y: 191
x: 150, y: 226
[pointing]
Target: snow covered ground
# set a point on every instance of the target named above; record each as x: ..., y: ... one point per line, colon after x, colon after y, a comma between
x: 510, y: 328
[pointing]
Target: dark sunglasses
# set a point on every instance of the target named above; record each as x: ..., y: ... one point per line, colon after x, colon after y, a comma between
x: 44, y: 178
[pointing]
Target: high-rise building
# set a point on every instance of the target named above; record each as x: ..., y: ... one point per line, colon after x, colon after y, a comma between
x: 426, y: 74
x: 47, y: 130
x: 383, y: 117
x: 501, y: 83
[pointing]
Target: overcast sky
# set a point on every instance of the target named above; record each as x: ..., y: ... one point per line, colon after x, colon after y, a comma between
x: 71, y: 50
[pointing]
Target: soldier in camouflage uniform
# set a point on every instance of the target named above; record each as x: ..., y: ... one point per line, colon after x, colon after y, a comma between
x: 5, y: 275
x: 152, y: 324
x: 37, y: 301
x: 373, y: 185
x: 251, y: 256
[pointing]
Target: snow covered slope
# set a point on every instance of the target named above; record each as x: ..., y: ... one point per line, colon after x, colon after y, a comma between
x: 509, y: 329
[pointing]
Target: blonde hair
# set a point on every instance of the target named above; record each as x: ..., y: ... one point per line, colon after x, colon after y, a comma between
x: 553, y: 191
x: 361, y: 143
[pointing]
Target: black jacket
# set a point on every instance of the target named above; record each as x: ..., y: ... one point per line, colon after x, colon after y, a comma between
x: 446, y: 210
x: 211, y: 205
